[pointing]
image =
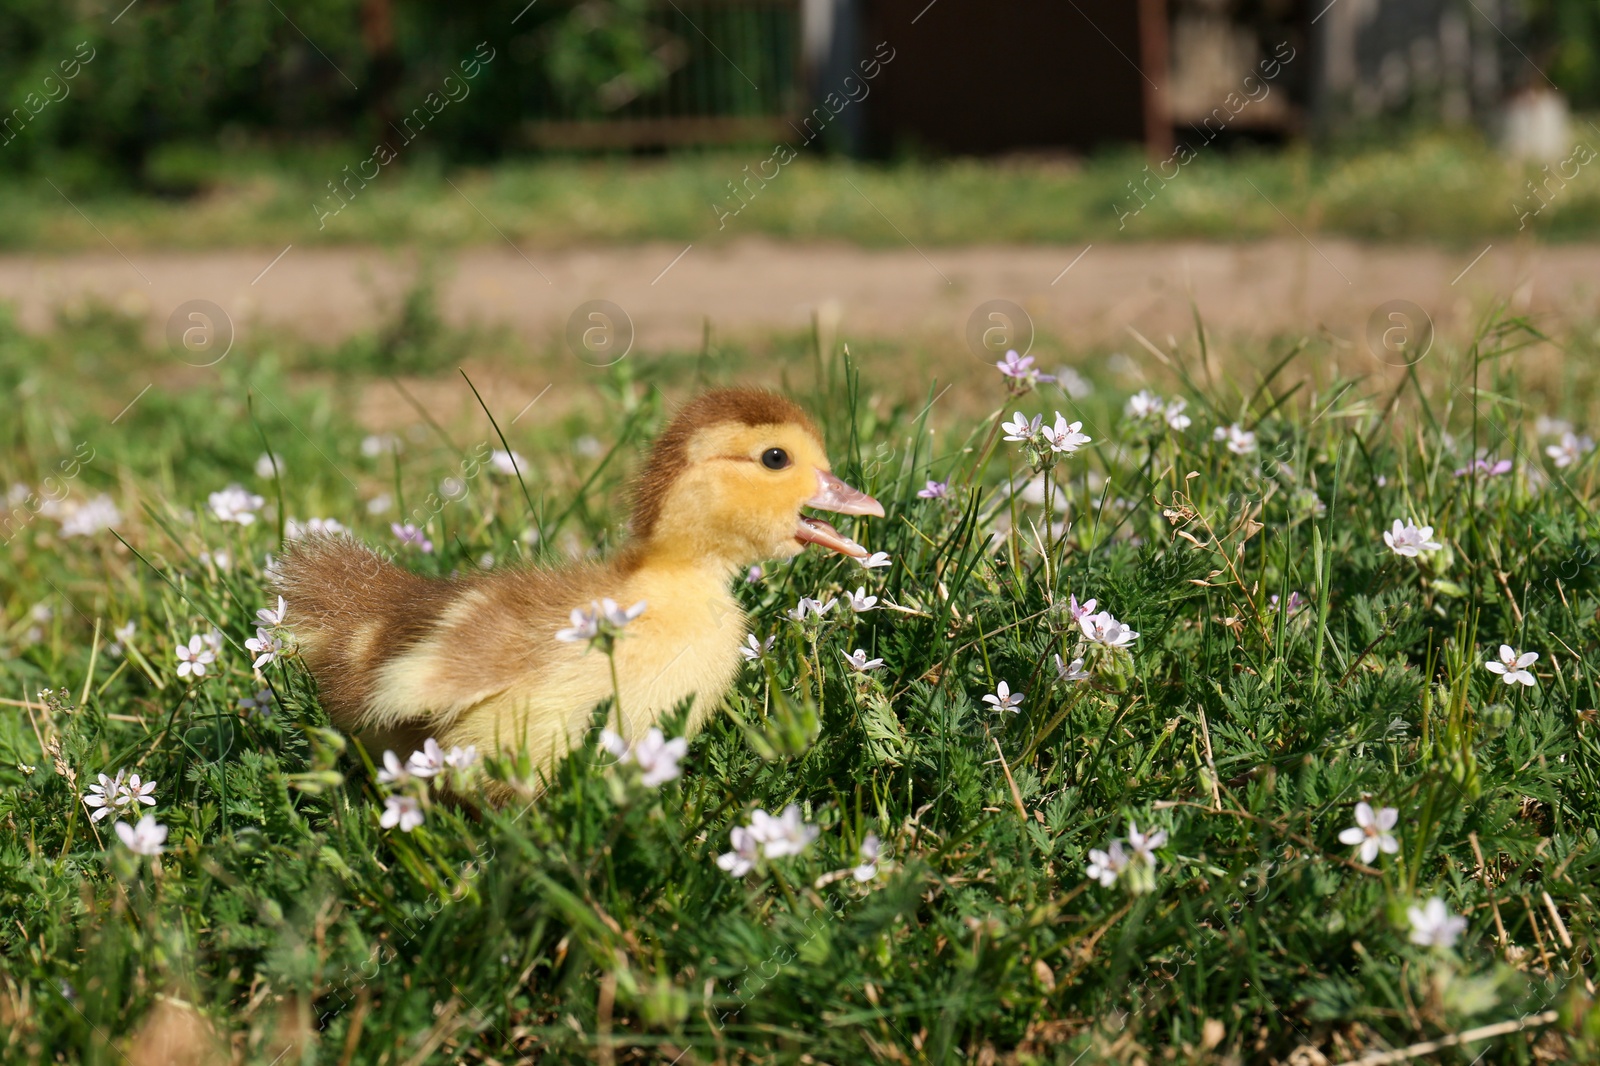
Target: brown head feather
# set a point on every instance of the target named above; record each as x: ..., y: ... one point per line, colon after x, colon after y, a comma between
x: 748, y: 407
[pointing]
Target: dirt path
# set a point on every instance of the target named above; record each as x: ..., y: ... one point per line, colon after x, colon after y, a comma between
x: 758, y: 286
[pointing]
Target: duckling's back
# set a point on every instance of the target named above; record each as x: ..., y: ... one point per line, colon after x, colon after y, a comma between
x: 351, y: 611
x: 391, y: 649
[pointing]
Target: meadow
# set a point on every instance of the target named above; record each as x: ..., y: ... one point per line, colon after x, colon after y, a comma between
x: 1278, y: 795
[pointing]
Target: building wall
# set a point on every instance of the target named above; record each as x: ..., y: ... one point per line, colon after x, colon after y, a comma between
x: 986, y: 77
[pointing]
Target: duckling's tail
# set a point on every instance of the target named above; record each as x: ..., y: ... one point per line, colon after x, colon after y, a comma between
x: 351, y: 610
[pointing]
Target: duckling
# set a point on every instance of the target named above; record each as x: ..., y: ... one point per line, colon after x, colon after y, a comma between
x: 476, y: 660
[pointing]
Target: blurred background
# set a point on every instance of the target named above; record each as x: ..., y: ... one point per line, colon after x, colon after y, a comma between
x: 340, y: 169
x: 172, y: 85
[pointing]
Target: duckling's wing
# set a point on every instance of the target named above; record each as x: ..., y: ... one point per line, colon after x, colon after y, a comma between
x: 350, y: 610
x: 389, y: 647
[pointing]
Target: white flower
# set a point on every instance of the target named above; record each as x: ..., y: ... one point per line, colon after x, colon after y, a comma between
x: 1545, y: 426
x: 876, y: 560
x: 104, y: 797
x: 1513, y: 668
x: 380, y: 503
x: 195, y: 656
x: 507, y: 463
x: 1240, y: 440
x: 871, y: 848
x: 379, y: 444
x: 860, y: 663
x: 394, y: 771
x: 1144, y: 847
x: 146, y: 838
x: 809, y: 606
x: 618, y: 616
x: 1021, y: 429
x: 658, y: 758
x: 755, y: 649
x: 222, y: 559
x: 1073, y: 383
x: 428, y: 761
x: 136, y: 792
x: 859, y: 600
x: 213, y: 641
x: 402, y: 811
x: 1410, y: 540
x: 655, y: 755
x: 585, y: 626
x: 785, y: 834
x: 235, y: 504
x: 1106, y: 866
x: 268, y: 465
x: 90, y: 518
x: 461, y: 759
x: 603, y: 617
x: 268, y: 617
x: 746, y: 850
x: 1571, y: 450
x: 588, y: 447
x: 294, y: 529
x: 121, y: 637
x: 613, y: 743
x: 1371, y: 831
x: 266, y: 647
x: 1144, y: 404
x: 1102, y: 628
x: 1064, y: 437
x: 1072, y: 671
x: 1003, y: 699
x: 1432, y: 925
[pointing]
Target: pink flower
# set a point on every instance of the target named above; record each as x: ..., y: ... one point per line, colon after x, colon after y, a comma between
x: 1019, y: 368
x: 411, y: 536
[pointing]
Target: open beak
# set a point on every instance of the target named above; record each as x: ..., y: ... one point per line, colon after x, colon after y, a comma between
x: 834, y: 495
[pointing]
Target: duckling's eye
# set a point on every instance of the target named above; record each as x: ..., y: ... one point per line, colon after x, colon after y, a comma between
x: 774, y: 458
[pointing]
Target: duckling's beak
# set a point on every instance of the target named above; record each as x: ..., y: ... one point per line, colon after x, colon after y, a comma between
x: 834, y: 495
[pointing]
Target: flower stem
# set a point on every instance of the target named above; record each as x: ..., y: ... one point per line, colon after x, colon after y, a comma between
x: 816, y: 664
x: 616, y: 690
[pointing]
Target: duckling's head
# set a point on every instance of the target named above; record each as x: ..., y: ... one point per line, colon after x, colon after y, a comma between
x: 727, y: 481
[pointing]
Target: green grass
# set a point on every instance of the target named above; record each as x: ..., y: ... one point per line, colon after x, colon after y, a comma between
x: 1449, y: 188
x: 595, y: 925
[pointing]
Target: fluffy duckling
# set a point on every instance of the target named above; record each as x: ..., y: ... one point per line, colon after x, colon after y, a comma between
x: 476, y: 660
